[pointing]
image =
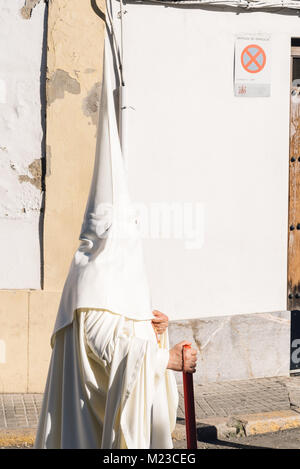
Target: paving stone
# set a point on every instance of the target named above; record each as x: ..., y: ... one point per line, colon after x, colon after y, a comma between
x: 211, y: 400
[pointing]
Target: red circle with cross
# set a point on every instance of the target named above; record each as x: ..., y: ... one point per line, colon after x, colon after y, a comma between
x: 253, y: 58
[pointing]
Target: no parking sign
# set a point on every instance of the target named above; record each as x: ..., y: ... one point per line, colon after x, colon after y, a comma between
x: 252, y: 66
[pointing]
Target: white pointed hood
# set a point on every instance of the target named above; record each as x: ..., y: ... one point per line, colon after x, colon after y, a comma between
x: 107, y: 270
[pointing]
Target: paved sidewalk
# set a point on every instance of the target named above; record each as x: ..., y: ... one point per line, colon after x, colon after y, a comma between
x: 227, y: 399
x: 19, y: 410
x: 216, y: 404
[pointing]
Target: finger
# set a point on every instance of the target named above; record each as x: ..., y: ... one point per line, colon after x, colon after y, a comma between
x: 155, y: 331
x: 164, y: 317
x: 186, y: 360
x: 157, y: 313
x: 191, y: 355
x: 159, y: 326
x: 161, y: 316
x: 190, y: 370
x: 191, y: 363
x: 160, y: 320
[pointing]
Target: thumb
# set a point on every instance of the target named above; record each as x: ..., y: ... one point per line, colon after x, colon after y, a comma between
x: 184, y: 342
x: 155, y: 332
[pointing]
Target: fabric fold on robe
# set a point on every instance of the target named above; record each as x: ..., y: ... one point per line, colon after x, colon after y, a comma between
x: 108, y: 386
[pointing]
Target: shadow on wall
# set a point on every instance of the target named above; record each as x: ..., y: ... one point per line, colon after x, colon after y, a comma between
x: 116, y: 59
x: 39, y: 167
x: 44, y: 166
x: 26, y: 13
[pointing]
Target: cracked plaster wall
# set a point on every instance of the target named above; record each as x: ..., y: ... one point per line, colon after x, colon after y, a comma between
x: 73, y: 95
x: 74, y: 75
x: 21, y: 136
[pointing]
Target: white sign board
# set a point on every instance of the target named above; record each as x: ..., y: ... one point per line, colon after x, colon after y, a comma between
x: 252, y: 75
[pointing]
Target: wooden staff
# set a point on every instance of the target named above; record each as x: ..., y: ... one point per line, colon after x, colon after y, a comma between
x: 189, y: 407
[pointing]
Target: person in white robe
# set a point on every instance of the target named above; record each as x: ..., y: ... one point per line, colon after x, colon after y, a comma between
x: 110, y: 381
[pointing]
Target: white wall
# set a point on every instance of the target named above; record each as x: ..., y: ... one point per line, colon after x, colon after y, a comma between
x: 21, y: 42
x: 191, y: 140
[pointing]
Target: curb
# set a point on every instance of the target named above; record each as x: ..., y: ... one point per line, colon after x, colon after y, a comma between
x: 209, y: 429
x: 216, y: 428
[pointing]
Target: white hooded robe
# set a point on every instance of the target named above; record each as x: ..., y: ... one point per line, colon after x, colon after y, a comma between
x: 107, y: 385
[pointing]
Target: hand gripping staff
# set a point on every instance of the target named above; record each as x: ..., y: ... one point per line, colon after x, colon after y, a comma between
x: 189, y: 407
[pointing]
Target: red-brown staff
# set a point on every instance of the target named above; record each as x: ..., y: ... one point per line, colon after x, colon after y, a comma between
x: 189, y: 407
